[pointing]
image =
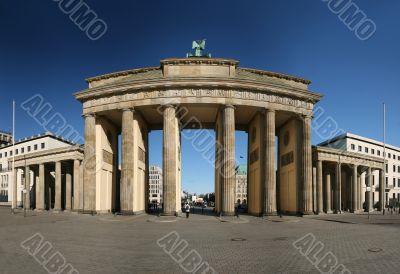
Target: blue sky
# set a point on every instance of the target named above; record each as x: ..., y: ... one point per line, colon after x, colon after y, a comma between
x: 43, y: 51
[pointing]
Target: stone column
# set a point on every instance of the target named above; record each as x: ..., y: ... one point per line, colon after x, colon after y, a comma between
x: 89, y: 165
x: 328, y: 194
x: 40, y: 189
x: 27, y: 203
x: 127, y: 160
x: 57, y: 201
x: 381, y: 190
x: 319, y: 187
x: 68, y: 187
x: 354, y: 189
x: 337, y: 187
x: 170, y: 160
x: 76, y: 181
x: 307, y: 166
x: 15, y: 189
x: 270, y: 155
x: 368, y: 178
x: 228, y: 157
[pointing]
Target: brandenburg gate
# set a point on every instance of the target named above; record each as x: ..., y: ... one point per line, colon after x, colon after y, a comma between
x: 198, y: 92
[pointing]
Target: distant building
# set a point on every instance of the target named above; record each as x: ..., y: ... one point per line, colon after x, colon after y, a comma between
x: 241, y: 184
x: 37, y: 143
x: 5, y: 138
x: 155, y: 184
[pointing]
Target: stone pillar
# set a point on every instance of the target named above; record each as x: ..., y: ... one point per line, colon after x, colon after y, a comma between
x: 354, y: 189
x: 127, y: 161
x: 328, y: 199
x: 76, y: 181
x: 89, y: 163
x: 170, y: 160
x: 337, y: 192
x: 381, y: 190
x: 307, y: 166
x: 15, y: 189
x: 369, y: 206
x: 57, y: 201
x: 270, y: 155
x: 319, y: 187
x: 27, y: 203
x: 40, y: 189
x: 68, y: 187
x: 228, y: 157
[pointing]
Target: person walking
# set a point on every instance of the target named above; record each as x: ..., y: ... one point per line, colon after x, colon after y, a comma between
x: 187, y: 210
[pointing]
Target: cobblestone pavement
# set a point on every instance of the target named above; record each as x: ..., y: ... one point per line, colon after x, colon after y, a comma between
x: 128, y: 244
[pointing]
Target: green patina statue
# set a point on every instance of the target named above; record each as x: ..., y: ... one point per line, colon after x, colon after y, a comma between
x: 199, y: 46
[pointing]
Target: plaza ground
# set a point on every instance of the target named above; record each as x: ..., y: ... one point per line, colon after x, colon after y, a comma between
x: 128, y: 244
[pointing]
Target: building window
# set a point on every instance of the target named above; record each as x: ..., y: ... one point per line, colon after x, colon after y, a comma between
x: 398, y: 158
x: 22, y: 149
x: 373, y: 151
x: 398, y: 169
x: 389, y: 155
x: 394, y: 168
x: 11, y: 153
x: 394, y: 181
x: 378, y: 152
x: 29, y: 148
x: 42, y: 145
x: 1, y: 155
x: 353, y: 147
x: 5, y: 154
x: 387, y: 181
x: 366, y: 150
x: 398, y: 183
x: 16, y: 151
x: 386, y: 165
x: 359, y: 148
x: 35, y: 147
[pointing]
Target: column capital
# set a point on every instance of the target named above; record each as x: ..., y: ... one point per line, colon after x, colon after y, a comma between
x: 165, y: 106
x: 89, y: 114
x: 128, y: 109
x: 229, y: 106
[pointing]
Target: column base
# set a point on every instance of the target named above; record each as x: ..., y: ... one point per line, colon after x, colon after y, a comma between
x: 169, y: 214
x: 91, y: 212
x: 130, y: 213
x: 275, y: 213
x: 57, y: 211
x: 329, y: 212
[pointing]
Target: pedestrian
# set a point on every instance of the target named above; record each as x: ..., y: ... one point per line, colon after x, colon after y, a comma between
x: 187, y: 209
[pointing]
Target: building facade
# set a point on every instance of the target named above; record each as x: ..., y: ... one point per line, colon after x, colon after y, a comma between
x: 241, y: 184
x: 155, y: 185
x: 357, y: 144
x: 5, y: 138
x: 197, y: 93
x: 23, y: 148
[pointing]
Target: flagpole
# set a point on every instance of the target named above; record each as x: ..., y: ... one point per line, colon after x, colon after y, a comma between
x: 13, y: 203
x: 384, y: 156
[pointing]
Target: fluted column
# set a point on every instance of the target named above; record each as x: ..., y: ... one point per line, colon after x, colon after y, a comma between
x: 57, y: 201
x: 307, y: 166
x: 319, y: 187
x: 337, y: 187
x: 228, y: 158
x: 381, y: 190
x: 89, y: 163
x: 27, y: 175
x: 15, y: 183
x: 368, y: 178
x: 77, y: 182
x: 127, y: 161
x: 270, y: 155
x: 354, y: 189
x: 328, y: 194
x: 40, y: 189
x: 170, y: 163
x: 68, y: 187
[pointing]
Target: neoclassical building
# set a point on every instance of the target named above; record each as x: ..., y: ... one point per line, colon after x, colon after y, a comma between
x: 198, y: 93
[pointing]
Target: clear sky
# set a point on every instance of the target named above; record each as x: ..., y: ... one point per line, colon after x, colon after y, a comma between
x: 42, y: 51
